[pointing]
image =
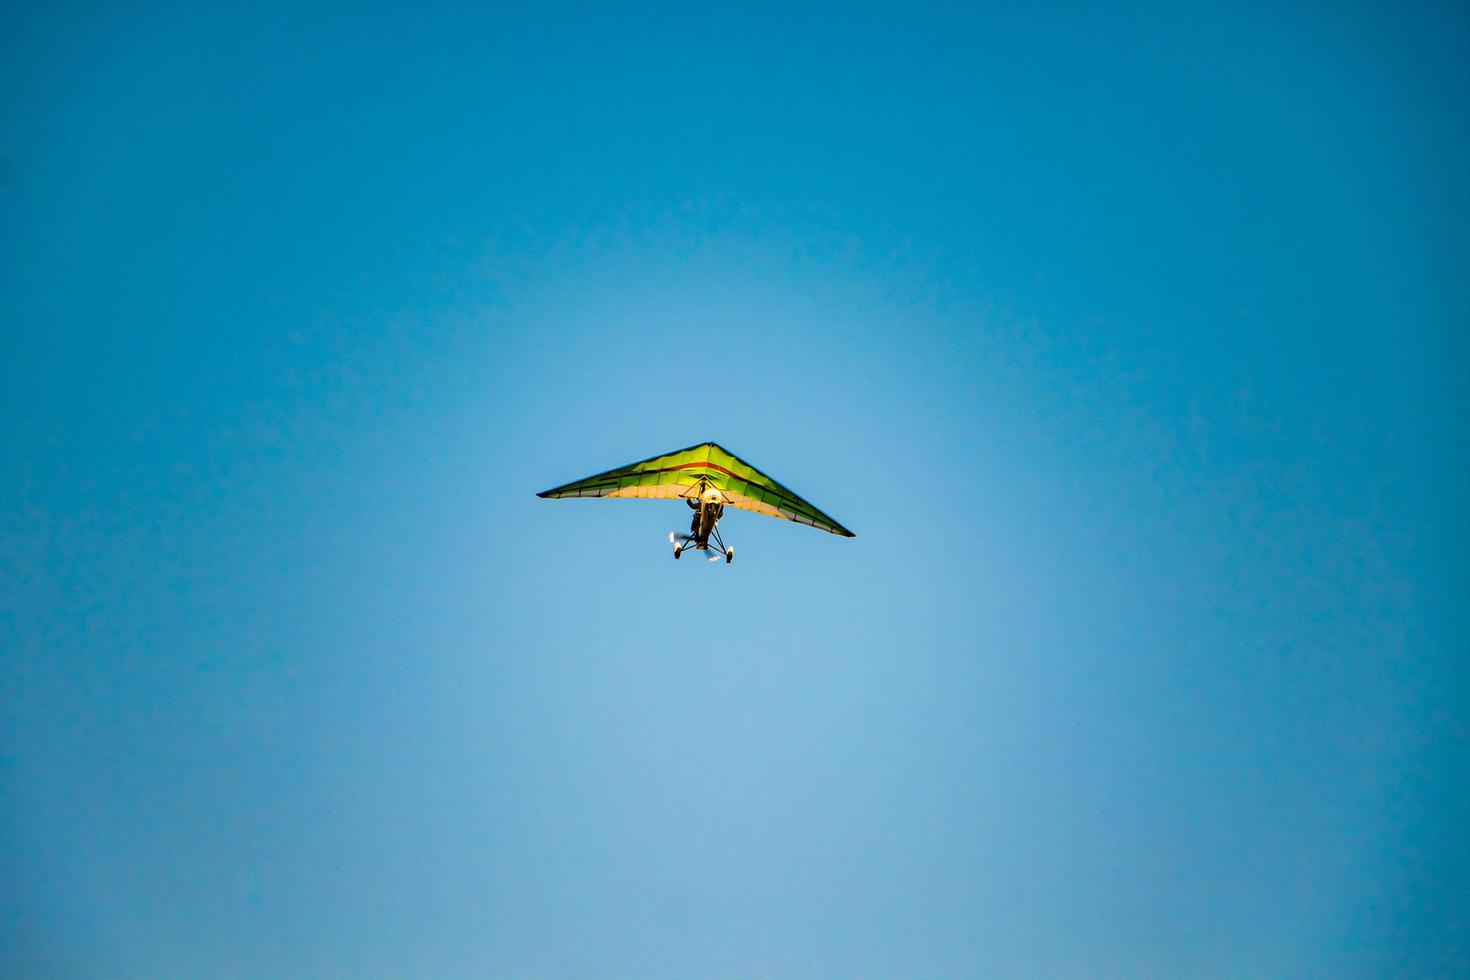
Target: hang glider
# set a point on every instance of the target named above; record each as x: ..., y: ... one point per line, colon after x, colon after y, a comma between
x: 708, y: 478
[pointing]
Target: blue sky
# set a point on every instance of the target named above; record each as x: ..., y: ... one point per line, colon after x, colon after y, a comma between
x: 1130, y: 343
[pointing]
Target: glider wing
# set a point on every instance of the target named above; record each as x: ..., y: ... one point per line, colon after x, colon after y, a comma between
x: 673, y: 475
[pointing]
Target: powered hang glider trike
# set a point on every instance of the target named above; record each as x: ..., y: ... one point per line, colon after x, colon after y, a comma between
x: 708, y: 479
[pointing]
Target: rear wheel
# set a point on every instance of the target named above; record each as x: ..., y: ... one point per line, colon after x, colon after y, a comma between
x: 729, y: 555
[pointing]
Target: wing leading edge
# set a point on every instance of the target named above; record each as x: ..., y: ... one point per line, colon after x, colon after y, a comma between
x: 670, y: 476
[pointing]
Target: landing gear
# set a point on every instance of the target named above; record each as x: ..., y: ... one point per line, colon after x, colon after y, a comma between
x: 717, y: 547
x: 728, y: 552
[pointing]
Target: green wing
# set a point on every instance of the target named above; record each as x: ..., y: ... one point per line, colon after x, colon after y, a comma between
x: 674, y: 475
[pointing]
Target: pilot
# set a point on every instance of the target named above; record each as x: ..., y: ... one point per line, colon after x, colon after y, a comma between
x: 711, y: 498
